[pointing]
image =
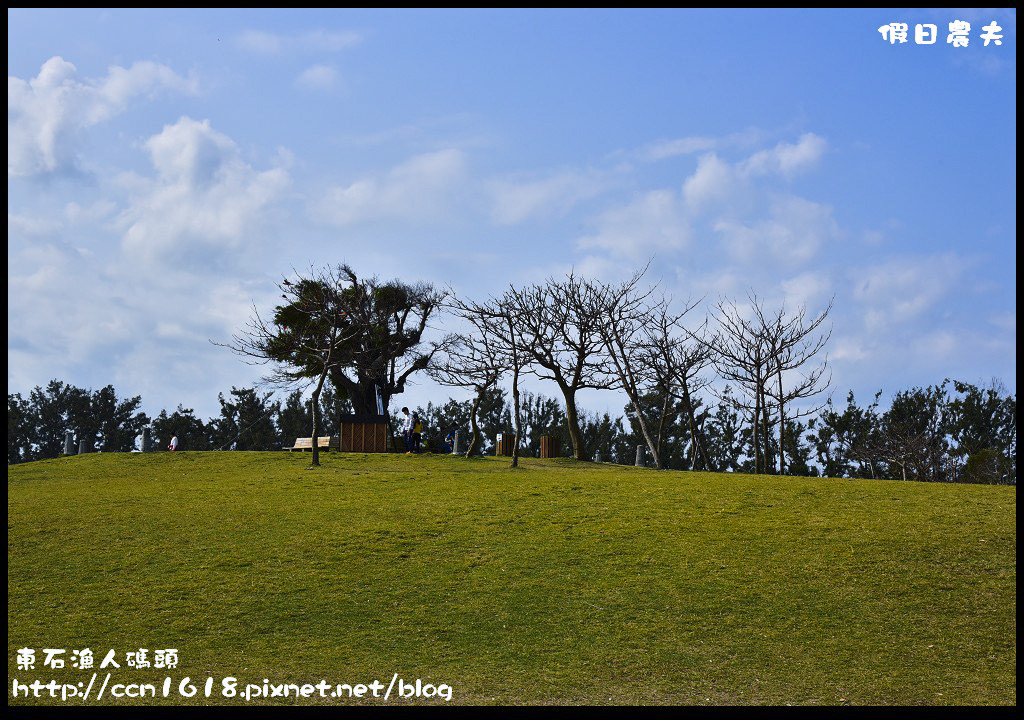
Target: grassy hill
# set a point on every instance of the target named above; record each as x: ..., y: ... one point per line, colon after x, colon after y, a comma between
x: 558, y: 583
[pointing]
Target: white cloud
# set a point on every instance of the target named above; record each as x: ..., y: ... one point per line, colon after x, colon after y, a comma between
x: 31, y: 226
x: 317, y: 77
x: 266, y: 43
x: 810, y: 289
x: 517, y: 201
x: 653, y: 222
x: 900, y: 290
x: 598, y: 267
x: 324, y: 41
x: 873, y: 237
x: 712, y: 183
x: 680, y: 146
x: 424, y: 188
x: 792, y: 234
x: 665, y: 149
x: 848, y: 349
x: 258, y: 41
x: 46, y: 114
x: 1006, y: 322
x: 712, y: 284
x: 935, y: 345
x: 204, y: 194
x: 786, y: 159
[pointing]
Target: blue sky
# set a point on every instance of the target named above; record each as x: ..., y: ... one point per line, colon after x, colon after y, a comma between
x: 167, y: 167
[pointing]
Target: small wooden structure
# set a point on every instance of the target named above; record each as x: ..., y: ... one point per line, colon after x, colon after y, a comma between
x: 549, y: 446
x: 504, y: 444
x: 363, y: 433
x: 323, y: 443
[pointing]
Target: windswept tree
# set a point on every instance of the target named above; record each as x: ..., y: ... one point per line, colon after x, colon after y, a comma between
x: 914, y: 434
x: 20, y: 429
x: 385, y: 328
x: 192, y: 432
x: 118, y: 422
x: 540, y: 416
x: 246, y: 421
x: 306, y: 338
x: 365, y: 335
x: 98, y: 417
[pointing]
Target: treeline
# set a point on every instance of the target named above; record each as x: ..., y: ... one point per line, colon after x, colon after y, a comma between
x: 248, y: 420
x: 953, y: 432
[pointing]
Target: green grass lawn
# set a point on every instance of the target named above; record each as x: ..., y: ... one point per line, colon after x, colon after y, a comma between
x: 557, y: 583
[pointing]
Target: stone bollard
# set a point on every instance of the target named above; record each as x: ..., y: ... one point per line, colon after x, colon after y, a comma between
x: 639, y: 455
x: 597, y: 456
x: 69, y: 442
x: 455, y: 443
x: 82, y: 448
x: 147, y: 440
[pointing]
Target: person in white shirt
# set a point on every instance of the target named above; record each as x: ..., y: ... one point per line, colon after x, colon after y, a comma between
x: 407, y: 430
x: 174, y: 443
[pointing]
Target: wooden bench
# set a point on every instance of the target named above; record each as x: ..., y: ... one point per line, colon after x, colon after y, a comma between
x: 323, y: 443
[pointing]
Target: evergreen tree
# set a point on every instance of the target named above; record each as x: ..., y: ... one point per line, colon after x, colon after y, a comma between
x: 983, y: 425
x: 246, y: 422
x: 193, y: 433
x: 723, y: 434
x: 542, y: 416
x: 19, y: 429
x: 295, y: 418
x: 798, y: 453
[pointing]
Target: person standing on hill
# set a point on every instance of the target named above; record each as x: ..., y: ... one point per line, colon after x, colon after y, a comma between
x: 174, y: 443
x: 407, y: 430
x: 417, y: 432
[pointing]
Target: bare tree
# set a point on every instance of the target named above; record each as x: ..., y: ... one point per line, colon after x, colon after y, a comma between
x: 624, y: 310
x: 641, y: 337
x: 792, y: 344
x: 676, y: 365
x: 762, y: 352
x: 558, y: 326
x: 497, y: 324
x: 741, y: 354
x: 472, y: 360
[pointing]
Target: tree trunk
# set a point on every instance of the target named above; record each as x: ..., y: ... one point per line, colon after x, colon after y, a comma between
x: 646, y: 433
x: 757, y: 440
x: 782, y: 429
x: 316, y: 418
x: 695, y: 436
x: 573, y: 421
x: 475, y: 435
x: 361, y: 395
x: 766, y: 433
x: 515, y: 413
x: 661, y: 428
